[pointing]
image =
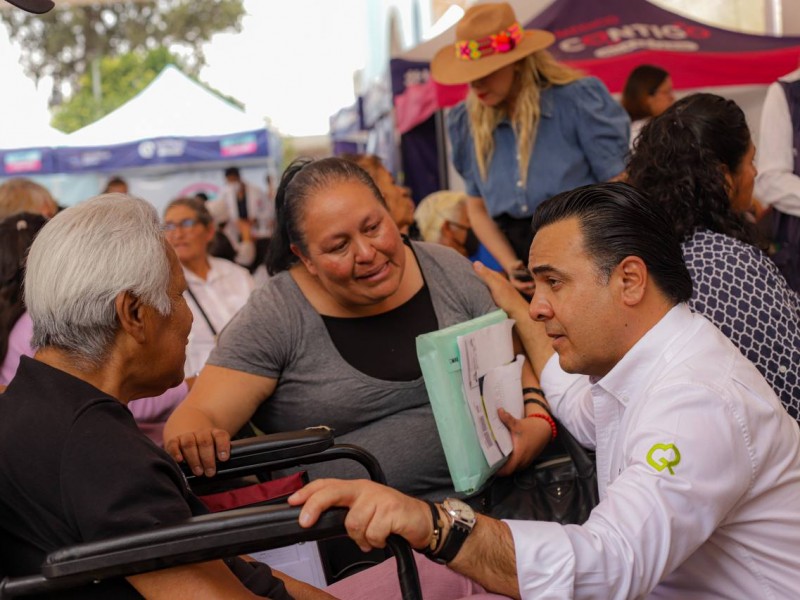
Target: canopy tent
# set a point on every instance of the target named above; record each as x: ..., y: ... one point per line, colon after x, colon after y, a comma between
x: 347, y: 130
x: 173, y: 138
x: 607, y: 39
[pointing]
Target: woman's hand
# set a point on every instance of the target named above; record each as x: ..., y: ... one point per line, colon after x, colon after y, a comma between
x: 521, y: 278
x: 529, y: 436
x: 201, y: 449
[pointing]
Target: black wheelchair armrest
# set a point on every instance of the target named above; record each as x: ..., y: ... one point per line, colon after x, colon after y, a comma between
x: 198, y: 539
x: 289, y: 449
x: 266, y: 451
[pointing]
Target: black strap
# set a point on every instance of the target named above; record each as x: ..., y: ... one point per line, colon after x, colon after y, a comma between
x: 542, y: 404
x: 202, y: 312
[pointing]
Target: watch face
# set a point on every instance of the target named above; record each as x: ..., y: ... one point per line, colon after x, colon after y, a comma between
x: 460, y: 511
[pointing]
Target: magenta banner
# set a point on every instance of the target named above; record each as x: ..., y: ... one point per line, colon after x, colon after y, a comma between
x: 609, y: 38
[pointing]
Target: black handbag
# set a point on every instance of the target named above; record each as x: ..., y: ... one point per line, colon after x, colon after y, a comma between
x: 560, y: 486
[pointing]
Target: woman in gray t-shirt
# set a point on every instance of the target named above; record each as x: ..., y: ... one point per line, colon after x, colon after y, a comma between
x: 330, y: 338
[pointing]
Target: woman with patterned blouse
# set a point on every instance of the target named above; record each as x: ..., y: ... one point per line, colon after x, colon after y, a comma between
x: 697, y: 158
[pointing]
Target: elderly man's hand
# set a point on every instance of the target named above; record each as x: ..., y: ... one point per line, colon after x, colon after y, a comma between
x: 201, y: 449
x: 375, y: 511
x: 504, y: 293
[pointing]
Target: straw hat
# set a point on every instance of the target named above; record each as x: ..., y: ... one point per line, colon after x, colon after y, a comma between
x: 33, y: 6
x: 488, y: 38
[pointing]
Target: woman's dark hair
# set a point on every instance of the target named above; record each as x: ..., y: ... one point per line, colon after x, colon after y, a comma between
x: 16, y: 236
x: 642, y: 83
x: 681, y: 159
x: 616, y: 221
x: 302, y: 179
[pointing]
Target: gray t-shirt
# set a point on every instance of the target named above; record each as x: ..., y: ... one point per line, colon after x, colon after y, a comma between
x: 278, y: 334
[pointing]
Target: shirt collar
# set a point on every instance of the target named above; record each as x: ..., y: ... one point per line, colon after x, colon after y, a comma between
x: 196, y: 279
x: 629, y: 378
x: 547, y: 106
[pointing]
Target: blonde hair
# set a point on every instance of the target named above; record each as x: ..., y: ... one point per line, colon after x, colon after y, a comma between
x: 434, y: 210
x: 23, y: 195
x: 535, y: 72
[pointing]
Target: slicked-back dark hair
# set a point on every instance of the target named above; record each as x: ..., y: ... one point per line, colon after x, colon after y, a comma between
x: 302, y: 179
x: 617, y: 221
x: 680, y: 159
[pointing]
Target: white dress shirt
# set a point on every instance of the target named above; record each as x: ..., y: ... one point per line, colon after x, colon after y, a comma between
x: 260, y: 210
x: 776, y: 183
x: 224, y: 291
x: 718, y: 518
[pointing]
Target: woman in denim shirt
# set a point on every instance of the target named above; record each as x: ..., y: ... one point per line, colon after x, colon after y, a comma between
x: 530, y: 128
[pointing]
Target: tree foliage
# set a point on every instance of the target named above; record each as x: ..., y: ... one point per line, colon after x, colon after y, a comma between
x: 64, y: 42
x: 121, y: 78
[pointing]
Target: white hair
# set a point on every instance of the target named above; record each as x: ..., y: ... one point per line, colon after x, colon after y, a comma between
x: 82, y: 260
x: 434, y: 210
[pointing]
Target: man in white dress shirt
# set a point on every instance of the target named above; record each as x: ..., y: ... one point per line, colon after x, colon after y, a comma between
x: 244, y: 205
x: 778, y: 180
x: 698, y: 463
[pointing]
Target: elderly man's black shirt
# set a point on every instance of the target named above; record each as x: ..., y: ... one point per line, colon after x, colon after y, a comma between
x: 75, y: 468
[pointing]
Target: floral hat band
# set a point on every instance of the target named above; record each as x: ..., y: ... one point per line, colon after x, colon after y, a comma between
x: 489, y: 38
x: 499, y: 43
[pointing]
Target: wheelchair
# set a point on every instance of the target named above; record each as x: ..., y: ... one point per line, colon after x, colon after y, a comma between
x: 218, y: 535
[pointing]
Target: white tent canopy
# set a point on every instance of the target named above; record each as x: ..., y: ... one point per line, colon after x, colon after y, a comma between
x: 33, y: 135
x: 163, y: 109
x: 172, y: 139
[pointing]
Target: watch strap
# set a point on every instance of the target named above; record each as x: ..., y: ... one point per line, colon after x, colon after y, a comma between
x: 451, y: 545
x: 437, y: 532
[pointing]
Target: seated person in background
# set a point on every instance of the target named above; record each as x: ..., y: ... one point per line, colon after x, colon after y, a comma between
x: 216, y: 288
x: 23, y: 195
x: 16, y: 235
x: 442, y: 219
x: 698, y: 462
x: 16, y: 329
x: 647, y: 93
x: 116, y: 185
x: 697, y: 159
x: 330, y: 338
x: 105, y: 294
x: 398, y: 198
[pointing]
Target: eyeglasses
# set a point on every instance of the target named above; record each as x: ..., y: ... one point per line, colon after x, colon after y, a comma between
x: 458, y: 225
x: 184, y: 224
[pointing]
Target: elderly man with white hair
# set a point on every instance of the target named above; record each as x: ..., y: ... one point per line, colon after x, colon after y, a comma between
x: 105, y: 293
x: 442, y: 219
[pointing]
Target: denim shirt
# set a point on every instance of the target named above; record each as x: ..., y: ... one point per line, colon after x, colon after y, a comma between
x: 582, y: 138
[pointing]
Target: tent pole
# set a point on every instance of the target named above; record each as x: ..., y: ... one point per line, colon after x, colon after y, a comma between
x: 441, y: 150
x: 773, y: 17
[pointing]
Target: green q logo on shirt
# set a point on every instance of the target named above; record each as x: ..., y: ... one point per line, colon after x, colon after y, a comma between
x: 664, y: 456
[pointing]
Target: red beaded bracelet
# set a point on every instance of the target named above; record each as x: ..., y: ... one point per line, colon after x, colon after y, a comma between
x: 550, y: 421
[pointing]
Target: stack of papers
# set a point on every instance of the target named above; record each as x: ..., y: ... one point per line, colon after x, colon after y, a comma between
x: 470, y: 371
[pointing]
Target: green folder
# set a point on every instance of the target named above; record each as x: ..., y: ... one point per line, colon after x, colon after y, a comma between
x: 439, y: 359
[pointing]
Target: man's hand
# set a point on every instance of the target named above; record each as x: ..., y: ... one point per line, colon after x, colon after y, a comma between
x: 201, y: 449
x: 375, y: 511
x: 529, y: 436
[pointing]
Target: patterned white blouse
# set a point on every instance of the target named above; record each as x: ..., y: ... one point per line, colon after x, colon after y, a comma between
x: 739, y: 289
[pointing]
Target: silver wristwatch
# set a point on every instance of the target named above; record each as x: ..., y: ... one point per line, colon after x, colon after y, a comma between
x: 462, y: 520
